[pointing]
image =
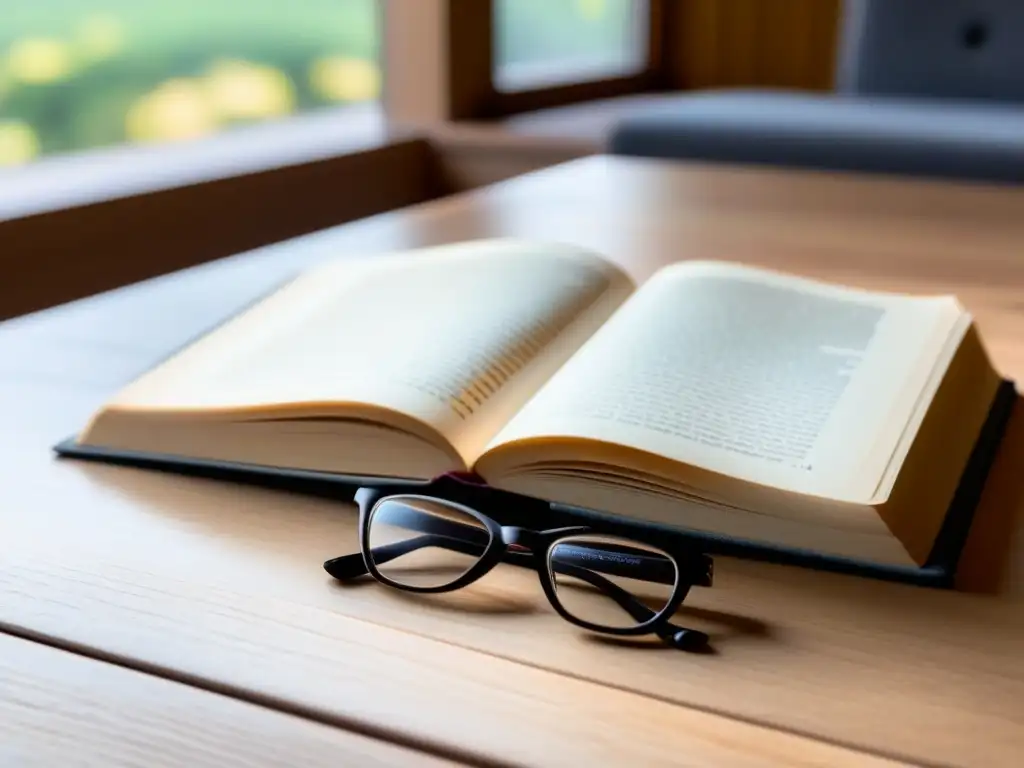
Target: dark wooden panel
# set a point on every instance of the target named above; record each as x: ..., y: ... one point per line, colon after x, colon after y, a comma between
x: 66, y: 254
x: 729, y: 43
x: 470, y: 53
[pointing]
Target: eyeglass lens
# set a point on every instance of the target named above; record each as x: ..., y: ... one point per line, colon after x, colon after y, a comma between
x: 420, y: 542
x: 611, y: 582
x: 604, y: 581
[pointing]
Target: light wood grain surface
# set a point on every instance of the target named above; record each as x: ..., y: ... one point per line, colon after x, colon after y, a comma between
x: 61, y: 709
x: 209, y: 581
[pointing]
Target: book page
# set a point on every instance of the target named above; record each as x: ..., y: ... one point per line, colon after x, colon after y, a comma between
x: 456, y: 337
x: 751, y: 374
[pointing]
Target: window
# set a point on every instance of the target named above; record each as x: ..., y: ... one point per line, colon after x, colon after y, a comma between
x: 550, y: 42
x: 85, y: 73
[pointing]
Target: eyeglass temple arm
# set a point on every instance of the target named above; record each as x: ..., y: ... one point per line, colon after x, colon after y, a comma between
x: 626, y: 601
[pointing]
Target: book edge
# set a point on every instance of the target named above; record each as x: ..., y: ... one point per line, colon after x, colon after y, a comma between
x: 938, y: 571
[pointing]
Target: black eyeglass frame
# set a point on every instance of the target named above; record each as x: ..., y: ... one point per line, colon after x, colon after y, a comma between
x: 527, y: 547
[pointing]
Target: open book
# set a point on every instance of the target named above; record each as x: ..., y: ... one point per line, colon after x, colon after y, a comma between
x: 714, y: 397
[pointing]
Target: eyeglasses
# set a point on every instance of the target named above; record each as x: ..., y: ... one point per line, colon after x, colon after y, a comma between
x: 615, y: 581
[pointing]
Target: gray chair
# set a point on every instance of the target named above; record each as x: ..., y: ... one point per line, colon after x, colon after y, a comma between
x: 943, y: 49
x: 924, y: 87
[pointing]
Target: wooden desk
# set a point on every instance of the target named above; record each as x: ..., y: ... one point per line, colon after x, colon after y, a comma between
x: 59, y: 708
x: 221, y: 587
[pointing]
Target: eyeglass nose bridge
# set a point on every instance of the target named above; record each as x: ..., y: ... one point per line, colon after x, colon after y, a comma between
x: 524, y: 538
x: 519, y: 538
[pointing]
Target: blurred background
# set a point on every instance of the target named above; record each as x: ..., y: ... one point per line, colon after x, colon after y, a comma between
x: 77, y: 74
x: 225, y: 125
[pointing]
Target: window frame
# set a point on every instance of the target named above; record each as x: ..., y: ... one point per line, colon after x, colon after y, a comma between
x: 439, y: 56
x: 650, y: 75
x: 452, y: 52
